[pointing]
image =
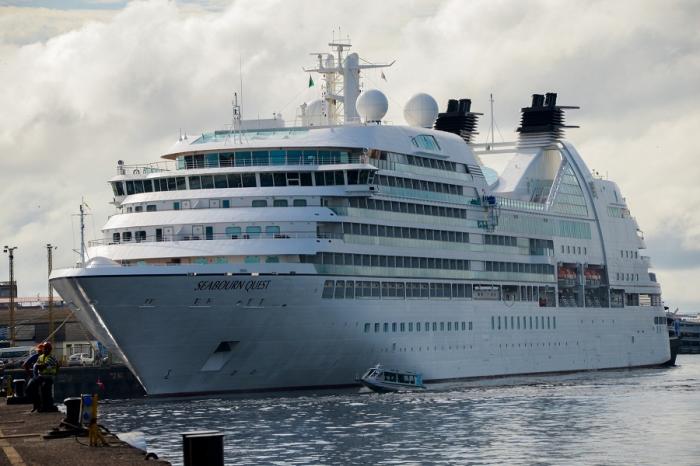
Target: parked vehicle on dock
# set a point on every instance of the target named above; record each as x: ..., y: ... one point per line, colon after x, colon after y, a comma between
x: 14, y: 356
x: 81, y: 359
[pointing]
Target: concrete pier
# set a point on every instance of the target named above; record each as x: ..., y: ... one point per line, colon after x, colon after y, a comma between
x: 22, y: 443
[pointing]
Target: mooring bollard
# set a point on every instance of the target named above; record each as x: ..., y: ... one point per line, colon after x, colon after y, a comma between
x: 18, y: 386
x: 72, y: 411
x: 203, y: 448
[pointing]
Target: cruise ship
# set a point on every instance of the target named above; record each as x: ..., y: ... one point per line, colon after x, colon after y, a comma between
x: 268, y: 255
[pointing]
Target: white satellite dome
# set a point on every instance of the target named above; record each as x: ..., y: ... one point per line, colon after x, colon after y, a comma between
x: 372, y: 105
x: 421, y: 110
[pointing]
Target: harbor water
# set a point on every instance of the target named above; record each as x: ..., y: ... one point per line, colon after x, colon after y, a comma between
x: 642, y: 417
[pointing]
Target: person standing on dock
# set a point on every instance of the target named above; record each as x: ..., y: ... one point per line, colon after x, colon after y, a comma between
x: 47, y: 366
x: 32, y: 389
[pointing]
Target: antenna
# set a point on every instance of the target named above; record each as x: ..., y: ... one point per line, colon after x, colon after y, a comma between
x: 82, y: 233
x: 492, y: 128
x: 240, y: 77
x: 82, y: 215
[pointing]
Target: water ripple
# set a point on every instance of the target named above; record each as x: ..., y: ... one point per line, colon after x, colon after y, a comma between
x: 643, y: 417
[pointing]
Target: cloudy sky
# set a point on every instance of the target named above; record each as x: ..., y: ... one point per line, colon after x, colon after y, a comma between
x: 85, y: 83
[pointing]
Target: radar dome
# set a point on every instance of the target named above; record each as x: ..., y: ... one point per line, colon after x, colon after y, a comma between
x: 372, y: 105
x: 421, y: 110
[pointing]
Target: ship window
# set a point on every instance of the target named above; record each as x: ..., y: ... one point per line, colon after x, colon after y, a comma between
x: 402, y: 327
x: 280, y: 203
x: 226, y: 160
x: 253, y: 232
x: 393, y: 326
x: 470, y: 325
x: 340, y: 289
x: 225, y: 203
x: 434, y: 326
x: 234, y: 180
x: 261, y: 158
x: 259, y: 203
x: 327, y: 289
x: 299, y: 203
x: 207, y: 182
x: 280, y: 179
x: 118, y: 188
x: 126, y: 236
x: 449, y: 326
x: 350, y: 289
x: 195, y: 182
x: 499, y: 322
x: 266, y: 180
x: 151, y: 208
x: 442, y: 326
x: 249, y: 180
x: 233, y: 232
x: 424, y: 290
x: 493, y: 323
x: 367, y: 325
x: 176, y: 206
x: 138, y: 208
x: 115, y: 237
x: 320, y: 180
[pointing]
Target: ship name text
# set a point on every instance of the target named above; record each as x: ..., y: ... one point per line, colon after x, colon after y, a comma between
x: 247, y: 285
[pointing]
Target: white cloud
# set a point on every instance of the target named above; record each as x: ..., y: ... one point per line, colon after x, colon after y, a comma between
x: 86, y: 88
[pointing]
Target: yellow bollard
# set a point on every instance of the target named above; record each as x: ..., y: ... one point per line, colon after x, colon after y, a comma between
x: 96, y: 437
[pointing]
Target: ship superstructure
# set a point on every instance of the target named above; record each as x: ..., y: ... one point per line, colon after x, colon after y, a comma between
x: 271, y: 256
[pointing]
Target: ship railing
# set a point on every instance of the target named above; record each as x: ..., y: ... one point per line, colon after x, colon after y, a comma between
x: 243, y: 235
x: 416, y: 170
x: 144, y: 169
x: 509, y: 203
x: 268, y: 158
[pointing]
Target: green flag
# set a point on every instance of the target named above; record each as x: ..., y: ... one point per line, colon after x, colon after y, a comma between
x: 311, y: 81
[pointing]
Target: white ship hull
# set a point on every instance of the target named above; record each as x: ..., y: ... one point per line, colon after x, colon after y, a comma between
x: 280, y: 333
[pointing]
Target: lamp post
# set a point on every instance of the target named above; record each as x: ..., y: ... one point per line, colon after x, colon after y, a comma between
x: 49, y: 250
x: 11, y: 252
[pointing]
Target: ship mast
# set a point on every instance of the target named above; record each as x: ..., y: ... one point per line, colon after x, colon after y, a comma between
x: 346, y: 67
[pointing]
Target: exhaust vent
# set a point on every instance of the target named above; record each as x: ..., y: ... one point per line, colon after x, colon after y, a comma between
x: 458, y: 119
x: 543, y: 121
